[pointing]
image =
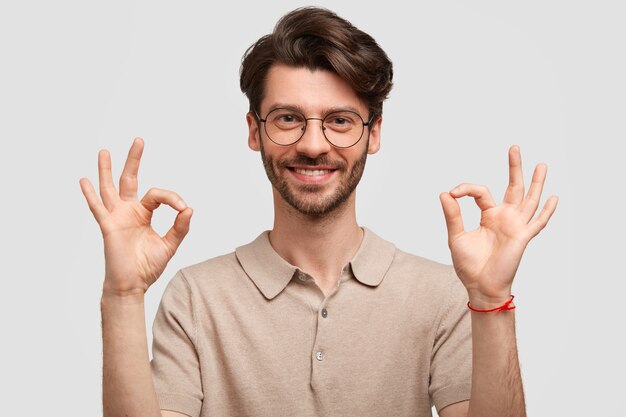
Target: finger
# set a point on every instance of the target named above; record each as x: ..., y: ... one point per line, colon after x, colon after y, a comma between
x: 107, y: 189
x: 452, y: 213
x: 480, y: 193
x: 95, y: 205
x: 515, y: 191
x: 128, y: 179
x: 531, y: 202
x: 537, y: 225
x: 178, y: 231
x: 155, y: 197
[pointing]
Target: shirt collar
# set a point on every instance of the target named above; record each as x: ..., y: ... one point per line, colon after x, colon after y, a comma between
x: 373, y: 259
x: 271, y: 273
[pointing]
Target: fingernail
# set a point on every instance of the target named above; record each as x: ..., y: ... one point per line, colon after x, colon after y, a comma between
x: 182, y: 205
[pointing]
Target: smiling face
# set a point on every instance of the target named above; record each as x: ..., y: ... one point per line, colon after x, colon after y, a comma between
x: 312, y: 176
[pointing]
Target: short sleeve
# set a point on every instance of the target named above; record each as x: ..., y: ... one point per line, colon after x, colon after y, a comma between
x: 175, y: 365
x: 451, y: 360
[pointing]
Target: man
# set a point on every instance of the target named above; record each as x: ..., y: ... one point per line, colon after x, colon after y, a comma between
x: 317, y: 316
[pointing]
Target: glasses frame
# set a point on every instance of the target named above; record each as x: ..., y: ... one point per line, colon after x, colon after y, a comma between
x: 306, y: 120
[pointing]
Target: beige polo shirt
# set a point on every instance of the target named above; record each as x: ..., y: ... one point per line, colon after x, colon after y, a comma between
x: 248, y: 334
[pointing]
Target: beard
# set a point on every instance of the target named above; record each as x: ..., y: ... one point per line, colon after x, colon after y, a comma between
x: 307, y: 198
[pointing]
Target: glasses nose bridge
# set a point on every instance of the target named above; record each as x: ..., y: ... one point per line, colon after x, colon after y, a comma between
x: 316, y: 141
x: 321, y: 119
x: 306, y: 125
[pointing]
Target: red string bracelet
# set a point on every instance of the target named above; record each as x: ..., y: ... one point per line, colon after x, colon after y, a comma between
x: 503, y: 307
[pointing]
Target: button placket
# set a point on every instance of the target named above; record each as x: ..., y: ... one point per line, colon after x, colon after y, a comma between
x: 322, y: 324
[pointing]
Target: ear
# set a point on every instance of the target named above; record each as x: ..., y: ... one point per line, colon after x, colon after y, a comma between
x: 374, y: 142
x: 254, y: 138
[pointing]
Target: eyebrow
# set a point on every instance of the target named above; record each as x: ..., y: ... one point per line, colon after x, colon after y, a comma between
x: 325, y: 111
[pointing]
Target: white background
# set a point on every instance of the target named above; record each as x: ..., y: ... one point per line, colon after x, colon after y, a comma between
x: 471, y: 78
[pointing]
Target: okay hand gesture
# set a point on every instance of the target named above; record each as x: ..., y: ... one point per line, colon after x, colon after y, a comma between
x: 486, y: 259
x: 135, y: 255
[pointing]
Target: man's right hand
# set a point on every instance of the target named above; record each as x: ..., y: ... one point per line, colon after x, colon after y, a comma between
x: 135, y: 255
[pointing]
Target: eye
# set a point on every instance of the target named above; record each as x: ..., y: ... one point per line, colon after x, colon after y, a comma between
x: 338, y: 121
x: 341, y: 121
x: 286, y: 118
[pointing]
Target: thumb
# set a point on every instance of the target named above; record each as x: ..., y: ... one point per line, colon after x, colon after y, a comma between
x: 452, y: 213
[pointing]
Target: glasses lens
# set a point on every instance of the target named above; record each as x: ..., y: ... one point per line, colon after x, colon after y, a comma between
x: 284, y: 126
x: 343, y: 128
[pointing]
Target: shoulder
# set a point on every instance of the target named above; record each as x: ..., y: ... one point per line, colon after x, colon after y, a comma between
x: 428, y: 280
x: 426, y: 289
x: 419, y: 268
x: 211, y: 267
x: 211, y: 271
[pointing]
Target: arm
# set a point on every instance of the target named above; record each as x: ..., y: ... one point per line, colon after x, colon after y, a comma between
x: 135, y: 256
x: 486, y: 260
x: 127, y: 387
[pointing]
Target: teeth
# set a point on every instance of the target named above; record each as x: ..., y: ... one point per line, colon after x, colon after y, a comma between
x: 312, y: 172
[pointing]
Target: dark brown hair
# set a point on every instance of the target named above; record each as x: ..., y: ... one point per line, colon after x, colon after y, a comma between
x: 316, y: 38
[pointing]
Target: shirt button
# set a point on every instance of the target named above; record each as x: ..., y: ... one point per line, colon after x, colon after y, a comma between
x: 301, y: 276
x: 324, y: 313
x: 319, y: 356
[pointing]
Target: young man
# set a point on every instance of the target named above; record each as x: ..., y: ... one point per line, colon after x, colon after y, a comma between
x: 318, y: 316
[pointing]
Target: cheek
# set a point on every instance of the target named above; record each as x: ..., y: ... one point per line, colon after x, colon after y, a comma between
x: 356, y: 153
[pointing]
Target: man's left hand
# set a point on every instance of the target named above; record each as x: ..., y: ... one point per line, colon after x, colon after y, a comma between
x: 486, y: 259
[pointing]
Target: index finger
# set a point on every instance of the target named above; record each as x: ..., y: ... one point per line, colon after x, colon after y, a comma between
x: 128, y: 179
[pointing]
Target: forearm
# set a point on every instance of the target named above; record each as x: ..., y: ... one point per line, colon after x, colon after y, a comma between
x: 127, y: 386
x: 496, y: 381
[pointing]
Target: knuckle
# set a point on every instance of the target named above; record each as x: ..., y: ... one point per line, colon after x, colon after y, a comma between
x: 154, y: 191
x: 172, y: 195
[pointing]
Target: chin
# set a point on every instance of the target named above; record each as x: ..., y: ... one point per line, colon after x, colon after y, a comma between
x: 316, y: 206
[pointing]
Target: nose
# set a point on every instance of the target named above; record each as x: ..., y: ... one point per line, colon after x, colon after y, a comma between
x: 313, y: 143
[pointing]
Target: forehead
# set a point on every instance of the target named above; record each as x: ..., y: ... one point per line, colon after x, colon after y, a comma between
x: 312, y: 90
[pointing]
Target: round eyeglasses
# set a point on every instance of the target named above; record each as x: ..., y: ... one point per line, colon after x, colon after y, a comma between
x: 342, y: 129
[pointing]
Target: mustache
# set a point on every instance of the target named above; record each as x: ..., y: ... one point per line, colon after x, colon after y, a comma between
x: 322, y: 160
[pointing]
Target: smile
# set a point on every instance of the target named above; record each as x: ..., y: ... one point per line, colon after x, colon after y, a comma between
x: 312, y: 176
x: 312, y: 172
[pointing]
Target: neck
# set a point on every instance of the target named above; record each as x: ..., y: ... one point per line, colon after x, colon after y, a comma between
x: 320, y: 246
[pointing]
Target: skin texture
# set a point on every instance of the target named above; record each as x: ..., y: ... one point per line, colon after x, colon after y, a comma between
x: 315, y: 229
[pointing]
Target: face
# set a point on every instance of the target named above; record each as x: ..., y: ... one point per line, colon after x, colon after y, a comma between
x: 312, y: 176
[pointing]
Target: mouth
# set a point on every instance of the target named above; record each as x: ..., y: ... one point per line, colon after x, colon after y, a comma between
x: 312, y: 175
x: 312, y: 172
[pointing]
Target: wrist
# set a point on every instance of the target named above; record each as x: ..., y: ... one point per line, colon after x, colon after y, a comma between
x: 482, y: 301
x: 122, y: 298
